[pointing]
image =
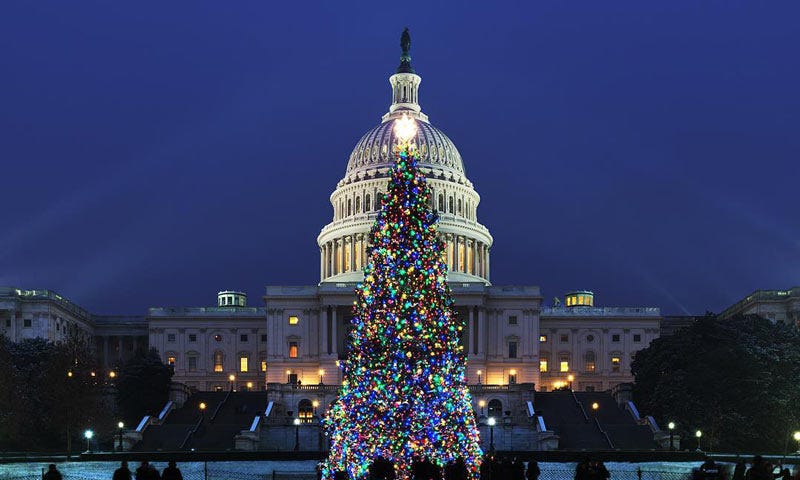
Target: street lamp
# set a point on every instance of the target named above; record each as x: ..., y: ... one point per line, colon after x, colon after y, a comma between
x: 202, y: 408
x: 699, y: 435
x: 570, y: 377
x: 121, y: 426
x: 315, y: 403
x: 232, y: 378
x: 491, y: 423
x: 479, y: 376
x: 88, y: 434
x: 481, y: 403
x: 595, y: 406
x: 321, y: 374
x: 796, y: 437
x: 296, y: 434
x: 671, y: 426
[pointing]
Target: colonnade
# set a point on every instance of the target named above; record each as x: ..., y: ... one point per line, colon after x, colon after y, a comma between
x: 349, y: 254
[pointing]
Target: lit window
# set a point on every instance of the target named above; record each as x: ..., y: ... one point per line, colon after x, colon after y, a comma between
x: 191, y: 363
x: 512, y: 320
x: 263, y: 364
x: 512, y: 349
x: 293, y: 320
x: 243, y: 363
x: 170, y: 337
x: 564, y: 338
x: 171, y: 361
x: 590, y: 362
x: 637, y: 337
x: 305, y: 410
x: 563, y: 364
x: 292, y: 349
x: 512, y: 377
x: 615, y: 337
x: 542, y: 338
x: 218, y: 361
x: 543, y: 365
x: 615, y: 364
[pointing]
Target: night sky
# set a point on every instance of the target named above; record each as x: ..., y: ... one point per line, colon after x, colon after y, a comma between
x: 154, y: 153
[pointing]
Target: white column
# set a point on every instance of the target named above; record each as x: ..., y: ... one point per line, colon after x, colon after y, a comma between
x: 322, y: 262
x: 334, y: 334
x: 352, y: 265
x: 488, y: 271
x: 323, y: 328
x: 472, y: 331
x: 482, y: 332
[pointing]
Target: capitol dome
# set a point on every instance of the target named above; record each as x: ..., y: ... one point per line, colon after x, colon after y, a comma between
x: 374, y: 150
x: 356, y: 200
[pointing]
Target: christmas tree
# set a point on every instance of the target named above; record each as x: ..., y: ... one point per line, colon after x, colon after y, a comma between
x: 404, y: 394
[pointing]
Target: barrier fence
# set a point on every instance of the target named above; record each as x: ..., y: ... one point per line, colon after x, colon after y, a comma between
x: 547, y: 473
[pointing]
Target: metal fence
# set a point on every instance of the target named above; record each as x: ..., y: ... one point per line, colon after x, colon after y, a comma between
x: 218, y: 474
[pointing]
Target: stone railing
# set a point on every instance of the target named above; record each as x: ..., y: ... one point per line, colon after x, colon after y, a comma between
x: 601, y: 311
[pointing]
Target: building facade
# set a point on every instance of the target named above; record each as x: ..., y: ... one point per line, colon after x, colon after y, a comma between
x: 780, y: 306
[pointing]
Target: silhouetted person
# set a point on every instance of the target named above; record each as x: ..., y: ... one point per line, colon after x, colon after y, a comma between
x: 52, y: 473
x: 739, y: 470
x: 759, y: 470
x: 598, y: 470
x: 147, y: 472
x: 533, y: 472
x: 583, y: 470
x: 486, y: 468
x: 123, y: 472
x: 517, y: 469
x: 172, y: 472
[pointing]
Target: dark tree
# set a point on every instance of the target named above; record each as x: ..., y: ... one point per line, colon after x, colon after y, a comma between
x: 737, y: 380
x: 143, y: 386
x: 53, y: 393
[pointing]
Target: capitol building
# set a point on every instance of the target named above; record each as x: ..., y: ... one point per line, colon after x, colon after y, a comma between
x: 298, y: 334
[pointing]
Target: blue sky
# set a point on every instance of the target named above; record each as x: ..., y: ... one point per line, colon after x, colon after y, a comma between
x: 154, y: 153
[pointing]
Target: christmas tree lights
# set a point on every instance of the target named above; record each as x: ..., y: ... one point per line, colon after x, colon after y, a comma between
x: 404, y: 393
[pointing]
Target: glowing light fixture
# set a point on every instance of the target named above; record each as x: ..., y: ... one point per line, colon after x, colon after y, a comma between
x: 595, y: 406
x: 491, y: 421
x: 671, y: 425
x: 88, y: 434
x: 796, y: 436
x: 698, y: 434
x: 120, y: 425
x: 405, y: 128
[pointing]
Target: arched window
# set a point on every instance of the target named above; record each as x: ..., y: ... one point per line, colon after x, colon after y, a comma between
x: 349, y: 207
x: 305, y: 410
x: 591, y: 362
x: 460, y: 210
x: 450, y: 205
x: 441, y: 202
x: 358, y: 204
x: 378, y: 201
x: 218, y: 361
x: 495, y: 408
x: 367, y: 204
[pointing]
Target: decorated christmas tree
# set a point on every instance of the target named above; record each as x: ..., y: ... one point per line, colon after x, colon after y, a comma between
x: 404, y: 394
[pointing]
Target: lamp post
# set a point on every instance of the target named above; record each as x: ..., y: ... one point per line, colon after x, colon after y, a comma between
x: 88, y: 434
x: 232, y: 379
x: 570, y: 377
x: 481, y: 403
x: 491, y: 423
x: 202, y: 408
x: 796, y: 437
x: 699, y: 435
x: 671, y: 426
x: 315, y: 403
x: 296, y: 434
x: 479, y: 372
x: 121, y: 426
x: 321, y: 374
